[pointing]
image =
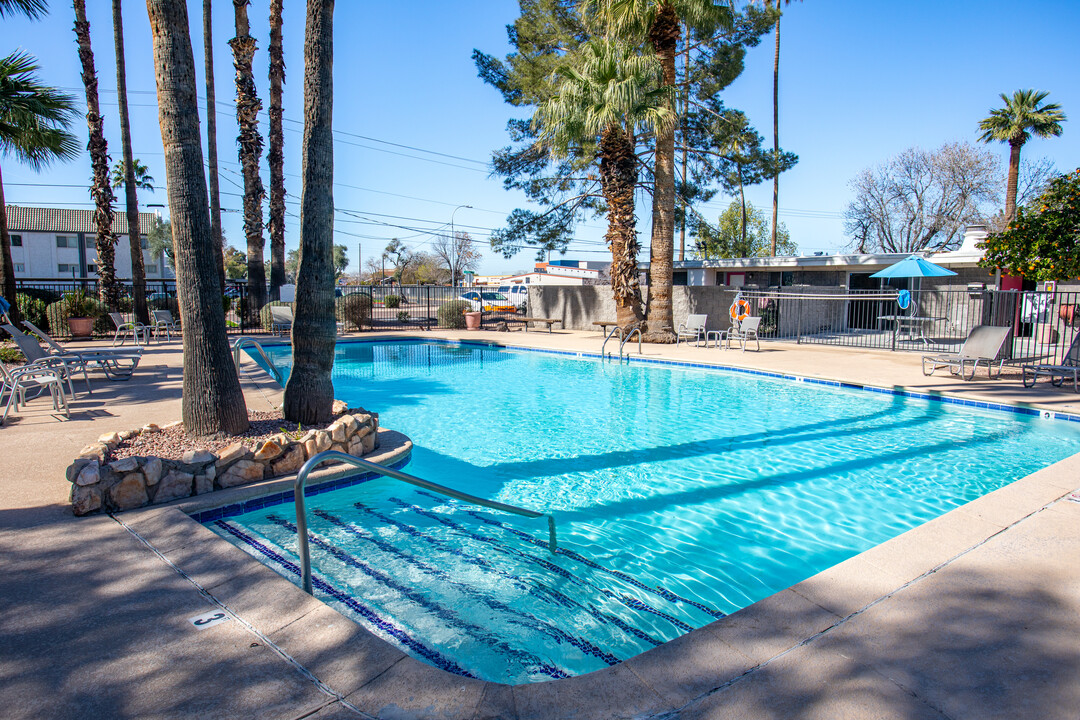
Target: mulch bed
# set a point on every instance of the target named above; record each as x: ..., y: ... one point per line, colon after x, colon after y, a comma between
x: 171, y: 443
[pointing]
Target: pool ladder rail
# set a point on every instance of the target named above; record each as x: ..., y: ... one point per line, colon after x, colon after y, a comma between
x: 243, y: 342
x: 623, y: 339
x: 367, y: 466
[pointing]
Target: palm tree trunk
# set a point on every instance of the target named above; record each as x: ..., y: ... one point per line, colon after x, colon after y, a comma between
x: 1014, y: 173
x: 99, y: 160
x: 138, y: 270
x: 685, y: 148
x: 211, y: 141
x: 664, y: 37
x: 618, y: 179
x: 250, y: 149
x: 742, y: 218
x: 309, y: 393
x: 212, y: 400
x: 7, y: 266
x: 775, y: 135
x: 275, y: 155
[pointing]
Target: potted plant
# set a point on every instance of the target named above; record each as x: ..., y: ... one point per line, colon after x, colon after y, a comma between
x: 472, y: 320
x: 80, y: 309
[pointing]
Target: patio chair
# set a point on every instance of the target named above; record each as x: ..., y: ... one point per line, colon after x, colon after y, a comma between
x: 983, y: 344
x: 18, y: 382
x: 162, y: 321
x: 1069, y: 367
x: 63, y: 364
x: 116, y: 363
x: 744, y: 331
x: 123, y: 327
x: 281, y: 319
x: 694, y: 327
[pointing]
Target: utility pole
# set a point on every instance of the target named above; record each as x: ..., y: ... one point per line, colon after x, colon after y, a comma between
x: 453, y: 247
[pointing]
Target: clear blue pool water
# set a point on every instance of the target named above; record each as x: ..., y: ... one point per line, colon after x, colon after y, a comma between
x: 680, y: 494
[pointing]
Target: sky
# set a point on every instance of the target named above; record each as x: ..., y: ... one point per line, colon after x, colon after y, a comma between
x: 415, y: 128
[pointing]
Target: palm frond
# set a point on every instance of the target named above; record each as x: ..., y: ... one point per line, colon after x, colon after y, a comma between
x: 34, y: 118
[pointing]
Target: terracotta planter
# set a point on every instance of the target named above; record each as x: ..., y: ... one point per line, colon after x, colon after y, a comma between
x: 81, y: 327
x: 472, y: 321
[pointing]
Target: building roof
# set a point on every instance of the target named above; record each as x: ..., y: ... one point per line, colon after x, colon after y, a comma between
x: 65, y: 220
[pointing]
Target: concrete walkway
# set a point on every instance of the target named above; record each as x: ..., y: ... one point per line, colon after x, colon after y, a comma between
x: 974, y: 615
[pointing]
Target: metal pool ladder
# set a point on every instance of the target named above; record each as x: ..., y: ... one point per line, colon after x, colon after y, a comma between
x: 252, y: 342
x: 301, y: 506
x: 623, y: 338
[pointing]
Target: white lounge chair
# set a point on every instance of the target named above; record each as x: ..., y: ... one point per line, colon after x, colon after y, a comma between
x: 116, y: 363
x: 1069, y: 367
x: 18, y: 382
x: 745, y: 330
x: 281, y: 319
x: 983, y: 344
x: 123, y: 327
x: 163, y: 322
x: 694, y: 327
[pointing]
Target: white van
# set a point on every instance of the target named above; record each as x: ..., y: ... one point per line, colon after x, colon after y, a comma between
x: 518, y: 295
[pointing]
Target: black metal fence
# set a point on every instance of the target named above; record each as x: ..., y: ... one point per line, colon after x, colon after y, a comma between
x: 1044, y: 324
x: 363, y: 308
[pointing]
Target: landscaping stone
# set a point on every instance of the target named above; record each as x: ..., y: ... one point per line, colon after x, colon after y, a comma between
x: 110, y: 439
x: 150, y: 428
x: 96, y: 451
x: 174, y: 423
x: 85, y: 500
x: 198, y: 457
x: 318, y: 442
x: 338, y: 407
x: 128, y: 434
x: 350, y: 423
x: 234, y: 452
x: 173, y: 486
x: 356, y: 447
x: 210, y: 471
x: 152, y: 470
x: 129, y: 493
x: 340, y: 447
x: 290, y: 462
x: 124, y: 466
x: 241, y: 473
x: 270, y: 450
x: 204, y: 484
x: 337, y: 432
x: 90, y: 474
x: 369, y: 443
x: 76, y: 467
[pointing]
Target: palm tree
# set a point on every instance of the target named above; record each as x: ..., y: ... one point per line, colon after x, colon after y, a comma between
x: 211, y: 140
x: 101, y: 190
x: 275, y: 156
x: 1024, y: 115
x: 309, y: 393
x: 660, y: 23
x: 212, y: 400
x: 143, y: 179
x: 138, y: 270
x: 33, y: 9
x: 770, y: 4
x: 605, y: 97
x: 250, y: 143
x: 34, y: 122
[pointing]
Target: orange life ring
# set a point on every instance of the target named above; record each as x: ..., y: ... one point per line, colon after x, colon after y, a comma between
x: 740, y: 310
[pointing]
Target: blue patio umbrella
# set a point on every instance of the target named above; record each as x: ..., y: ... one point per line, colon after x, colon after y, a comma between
x: 913, y: 266
x: 4, y: 307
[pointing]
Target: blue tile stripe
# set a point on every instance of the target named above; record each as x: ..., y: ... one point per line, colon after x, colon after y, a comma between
x: 932, y: 397
x: 527, y: 660
x: 431, y: 655
x: 629, y: 580
x: 287, y: 496
x: 536, y: 589
x: 550, y: 567
x: 525, y: 620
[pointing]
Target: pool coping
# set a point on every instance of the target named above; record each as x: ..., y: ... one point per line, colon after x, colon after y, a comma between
x: 375, y: 678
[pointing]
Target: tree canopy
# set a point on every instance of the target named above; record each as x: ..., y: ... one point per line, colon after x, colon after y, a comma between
x: 1043, y: 243
x: 727, y: 240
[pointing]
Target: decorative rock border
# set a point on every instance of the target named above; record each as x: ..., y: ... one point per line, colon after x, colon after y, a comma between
x: 100, y: 485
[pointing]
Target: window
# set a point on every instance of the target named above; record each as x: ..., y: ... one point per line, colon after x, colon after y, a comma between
x: 144, y: 242
x: 20, y: 267
x: 16, y: 241
x: 151, y: 269
x: 66, y: 268
x: 91, y: 268
x: 67, y: 241
x: 90, y: 242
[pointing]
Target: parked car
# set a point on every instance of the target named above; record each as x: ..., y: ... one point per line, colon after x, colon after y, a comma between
x: 488, y: 301
x: 518, y: 295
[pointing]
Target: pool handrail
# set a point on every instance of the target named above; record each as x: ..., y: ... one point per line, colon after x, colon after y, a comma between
x: 630, y: 336
x: 368, y: 466
x: 613, y: 330
x: 250, y: 341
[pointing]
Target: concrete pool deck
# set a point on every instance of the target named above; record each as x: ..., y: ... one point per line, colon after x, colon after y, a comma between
x: 973, y: 615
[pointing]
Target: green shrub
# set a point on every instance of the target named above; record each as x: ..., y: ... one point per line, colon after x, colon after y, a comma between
x: 392, y: 301
x: 452, y: 314
x: 11, y: 355
x: 353, y: 310
x: 265, y: 318
x: 33, y: 309
x: 403, y: 316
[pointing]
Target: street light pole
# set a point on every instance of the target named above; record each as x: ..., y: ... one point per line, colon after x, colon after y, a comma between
x: 453, y: 247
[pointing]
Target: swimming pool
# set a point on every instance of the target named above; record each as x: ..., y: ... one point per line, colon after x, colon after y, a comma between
x: 681, y: 494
